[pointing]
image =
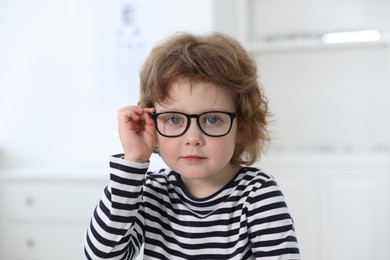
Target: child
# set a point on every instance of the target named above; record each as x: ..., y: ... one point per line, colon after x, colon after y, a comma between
x: 202, y: 110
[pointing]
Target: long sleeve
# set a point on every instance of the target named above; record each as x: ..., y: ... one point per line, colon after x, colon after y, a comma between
x: 270, y: 226
x: 116, y: 227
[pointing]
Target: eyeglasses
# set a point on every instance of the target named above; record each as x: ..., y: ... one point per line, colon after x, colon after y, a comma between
x: 175, y: 124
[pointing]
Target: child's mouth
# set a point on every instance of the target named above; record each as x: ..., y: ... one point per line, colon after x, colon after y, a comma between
x: 194, y: 158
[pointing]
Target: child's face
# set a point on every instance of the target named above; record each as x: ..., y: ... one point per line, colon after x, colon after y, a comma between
x: 194, y: 155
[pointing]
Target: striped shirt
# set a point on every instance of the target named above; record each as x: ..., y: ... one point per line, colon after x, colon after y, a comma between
x: 246, y: 219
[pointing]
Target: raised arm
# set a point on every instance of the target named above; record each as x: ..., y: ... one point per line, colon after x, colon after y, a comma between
x: 116, y: 227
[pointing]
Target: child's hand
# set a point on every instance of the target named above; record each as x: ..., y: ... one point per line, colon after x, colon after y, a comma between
x: 137, y: 132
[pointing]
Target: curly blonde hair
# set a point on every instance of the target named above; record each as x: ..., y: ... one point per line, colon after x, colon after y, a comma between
x: 221, y: 60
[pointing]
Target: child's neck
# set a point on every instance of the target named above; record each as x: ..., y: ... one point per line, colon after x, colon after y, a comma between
x: 202, y: 188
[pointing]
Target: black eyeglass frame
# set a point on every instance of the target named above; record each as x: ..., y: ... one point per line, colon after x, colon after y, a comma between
x: 232, y: 115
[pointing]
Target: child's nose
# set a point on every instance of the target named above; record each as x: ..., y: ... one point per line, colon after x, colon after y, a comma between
x: 194, y: 135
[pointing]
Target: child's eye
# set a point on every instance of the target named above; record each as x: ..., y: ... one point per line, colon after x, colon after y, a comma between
x: 174, y: 120
x: 213, y: 120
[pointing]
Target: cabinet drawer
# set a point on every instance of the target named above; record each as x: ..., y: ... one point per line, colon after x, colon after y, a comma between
x: 53, y: 200
x: 44, y: 242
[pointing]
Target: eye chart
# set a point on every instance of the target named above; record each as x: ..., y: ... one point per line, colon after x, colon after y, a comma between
x: 126, y: 30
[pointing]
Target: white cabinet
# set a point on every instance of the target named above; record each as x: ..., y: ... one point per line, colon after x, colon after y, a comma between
x: 44, y: 215
x: 355, y: 219
x: 340, y: 204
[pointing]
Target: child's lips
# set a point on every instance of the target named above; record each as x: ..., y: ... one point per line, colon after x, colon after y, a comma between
x: 194, y: 158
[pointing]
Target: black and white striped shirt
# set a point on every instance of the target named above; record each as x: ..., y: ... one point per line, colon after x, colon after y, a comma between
x: 247, y: 219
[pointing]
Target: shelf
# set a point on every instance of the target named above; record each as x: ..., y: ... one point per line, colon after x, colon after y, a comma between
x: 288, y: 46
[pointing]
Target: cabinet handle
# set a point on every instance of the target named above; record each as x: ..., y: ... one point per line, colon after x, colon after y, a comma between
x: 29, y: 201
x: 30, y: 243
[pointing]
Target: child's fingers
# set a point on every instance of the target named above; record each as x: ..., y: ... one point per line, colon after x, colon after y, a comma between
x: 147, y: 115
x: 131, y: 112
x: 149, y: 110
x: 148, y: 124
x: 136, y: 110
x: 136, y: 118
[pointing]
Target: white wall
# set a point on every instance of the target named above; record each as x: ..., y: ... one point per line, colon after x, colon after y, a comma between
x: 52, y: 107
x: 326, y: 98
x: 48, y: 83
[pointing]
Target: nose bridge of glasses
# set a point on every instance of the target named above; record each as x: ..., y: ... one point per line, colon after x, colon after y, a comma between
x: 194, y: 116
x: 189, y: 116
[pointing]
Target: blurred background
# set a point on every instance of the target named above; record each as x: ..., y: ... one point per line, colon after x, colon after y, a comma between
x: 66, y: 67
